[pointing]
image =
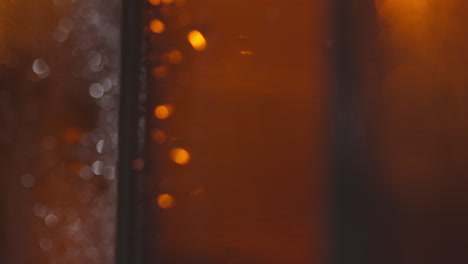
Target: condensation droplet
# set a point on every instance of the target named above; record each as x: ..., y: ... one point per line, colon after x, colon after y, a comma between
x: 86, y: 173
x: 97, y: 167
x: 41, y: 68
x: 66, y: 24
x: 28, y: 180
x: 100, y: 146
x: 107, y: 102
x: 51, y: 220
x: 109, y: 173
x: 45, y: 244
x: 40, y: 210
x: 96, y: 90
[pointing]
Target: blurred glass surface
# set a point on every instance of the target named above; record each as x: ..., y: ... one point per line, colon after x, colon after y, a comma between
x: 58, y: 100
x: 237, y: 129
x: 271, y: 131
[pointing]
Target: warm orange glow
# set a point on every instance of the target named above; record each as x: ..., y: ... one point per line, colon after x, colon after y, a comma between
x: 246, y: 52
x: 159, y: 136
x: 197, y: 40
x: 175, y: 56
x: 180, y: 156
x: 159, y: 72
x: 157, y: 26
x: 198, y: 191
x: 155, y: 2
x: 167, y: 2
x: 72, y: 135
x: 165, y: 201
x: 162, y: 111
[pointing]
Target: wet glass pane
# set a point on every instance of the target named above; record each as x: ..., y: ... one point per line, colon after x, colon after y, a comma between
x: 237, y: 129
x: 59, y: 65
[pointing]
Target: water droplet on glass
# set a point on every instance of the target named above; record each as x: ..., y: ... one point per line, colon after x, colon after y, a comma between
x: 51, y: 220
x: 96, y: 90
x: 28, y: 180
x: 109, y: 173
x: 100, y: 146
x: 97, y: 167
x: 46, y: 244
x: 86, y: 173
x: 41, y: 68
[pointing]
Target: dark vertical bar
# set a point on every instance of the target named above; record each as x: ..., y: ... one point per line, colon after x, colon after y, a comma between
x: 128, y: 230
x: 356, y: 202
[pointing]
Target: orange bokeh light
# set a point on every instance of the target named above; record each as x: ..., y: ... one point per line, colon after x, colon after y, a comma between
x: 197, y: 40
x: 162, y: 112
x: 157, y: 26
x: 180, y: 156
x: 166, y: 201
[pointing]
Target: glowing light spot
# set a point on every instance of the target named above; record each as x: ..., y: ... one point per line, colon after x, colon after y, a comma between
x: 41, y: 68
x: 73, y: 135
x: 246, y: 53
x: 96, y: 90
x: 159, y: 72
x: 97, y: 167
x: 100, y: 146
x: 159, y: 136
x: 155, y: 2
x: 163, y: 111
x: 166, y: 201
x: 180, y: 156
x: 175, y: 57
x: 197, y: 40
x: 157, y: 26
x: 167, y: 2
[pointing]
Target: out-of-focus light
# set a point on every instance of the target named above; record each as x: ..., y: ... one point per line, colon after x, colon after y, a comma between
x: 166, y: 201
x: 175, y: 57
x: 41, y: 68
x: 72, y: 135
x: 97, y: 167
x: 46, y: 244
x: 109, y: 173
x: 198, y: 191
x: 167, y: 2
x: 28, y: 180
x: 96, y: 90
x: 100, y: 146
x: 155, y: 2
x: 157, y: 26
x: 158, y: 136
x: 197, y: 40
x: 159, y: 72
x: 86, y: 173
x: 40, y: 210
x: 246, y: 53
x: 51, y: 220
x: 162, y: 111
x: 180, y: 156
